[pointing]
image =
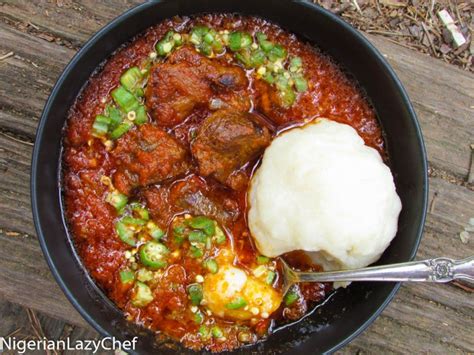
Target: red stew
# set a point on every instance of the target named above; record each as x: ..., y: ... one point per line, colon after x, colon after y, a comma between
x: 151, y: 209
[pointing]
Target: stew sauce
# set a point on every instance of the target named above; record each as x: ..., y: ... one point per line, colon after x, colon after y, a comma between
x: 167, y: 166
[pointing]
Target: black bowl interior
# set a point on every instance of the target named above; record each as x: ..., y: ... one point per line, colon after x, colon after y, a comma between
x: 347, y: 312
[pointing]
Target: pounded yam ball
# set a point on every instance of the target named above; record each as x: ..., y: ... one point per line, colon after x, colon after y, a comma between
x: 320, y: 189
x: 233, y: 294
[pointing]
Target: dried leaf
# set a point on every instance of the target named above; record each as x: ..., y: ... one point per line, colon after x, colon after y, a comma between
x: 395, y: 3
x: 464, y: 236
x: 445, y: 48
x: 415, y: 31
x: 46, y: 37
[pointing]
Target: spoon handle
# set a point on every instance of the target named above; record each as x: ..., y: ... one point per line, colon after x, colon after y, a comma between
x: 431, y: 270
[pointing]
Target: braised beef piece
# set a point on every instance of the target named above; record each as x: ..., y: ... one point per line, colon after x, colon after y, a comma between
x: 146, y: 156
x: 192, y: 195
x: 268, y: 101
x: 156, y: 199
x: 198, y: 197
x: 189, y: 80
x: 225, y: 142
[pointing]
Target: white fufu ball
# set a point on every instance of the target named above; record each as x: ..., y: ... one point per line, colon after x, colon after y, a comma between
x: 321, y: 189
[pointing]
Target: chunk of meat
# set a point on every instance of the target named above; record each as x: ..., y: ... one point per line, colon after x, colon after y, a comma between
x: 268, y: 101
x: 192, y: 195
x: 145, y: 156
x: 157, y: 200
x: 225, y: 142
x: 198, y: 197
x: 189, y: 80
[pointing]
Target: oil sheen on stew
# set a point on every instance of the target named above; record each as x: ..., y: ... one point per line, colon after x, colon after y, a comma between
x: 159, y: 150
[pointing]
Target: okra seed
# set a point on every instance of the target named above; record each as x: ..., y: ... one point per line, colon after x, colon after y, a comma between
x: 132, y: 115
x: 108, y: 145
x: 261, y: 71
x: 167, y: 47
x: 105, y: 180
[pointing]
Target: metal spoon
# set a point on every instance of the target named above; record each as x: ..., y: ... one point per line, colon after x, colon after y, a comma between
x: 432, y: 270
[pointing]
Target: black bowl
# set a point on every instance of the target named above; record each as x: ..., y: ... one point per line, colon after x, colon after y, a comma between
x: 348, y: 312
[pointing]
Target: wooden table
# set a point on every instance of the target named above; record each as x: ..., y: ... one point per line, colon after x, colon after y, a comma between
x: 44, y: 35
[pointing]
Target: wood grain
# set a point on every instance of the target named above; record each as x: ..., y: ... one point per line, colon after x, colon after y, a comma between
x: 23, y: 271
x: 73, y: 21
x: 422, y: 318
x: 14, y: 187
x: 27, y: 78
x: 443, y: 97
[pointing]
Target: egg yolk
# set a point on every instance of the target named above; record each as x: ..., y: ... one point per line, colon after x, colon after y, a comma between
x: 233, y: 294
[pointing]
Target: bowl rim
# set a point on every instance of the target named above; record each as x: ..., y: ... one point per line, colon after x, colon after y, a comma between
x: 141, y: 7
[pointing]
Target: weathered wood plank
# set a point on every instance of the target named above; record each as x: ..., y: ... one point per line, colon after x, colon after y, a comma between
x: 23, y: 269
x: 26, y: 279
x: 27, y: 78
x: 443, y: 97
x: 443, y: 101
x: 73, y: 21
x: 14, y: 189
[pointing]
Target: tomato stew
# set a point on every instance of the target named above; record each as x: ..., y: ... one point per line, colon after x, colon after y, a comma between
x: 159, y: 149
